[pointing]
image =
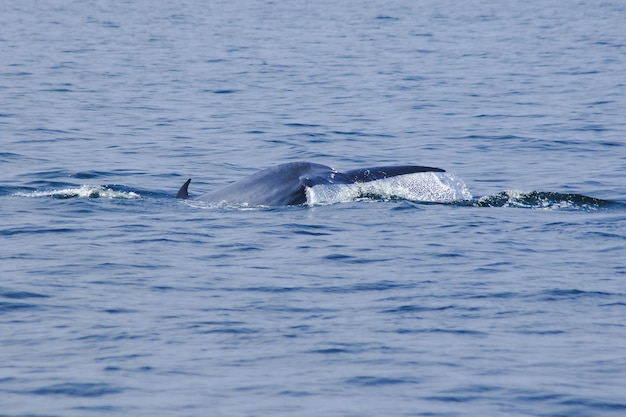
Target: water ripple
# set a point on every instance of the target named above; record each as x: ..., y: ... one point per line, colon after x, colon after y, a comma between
x: 78, y: 389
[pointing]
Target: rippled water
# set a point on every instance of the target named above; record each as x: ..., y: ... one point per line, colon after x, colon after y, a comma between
x: 118, y: 299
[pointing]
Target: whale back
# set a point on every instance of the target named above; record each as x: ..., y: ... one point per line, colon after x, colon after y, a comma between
x: 275, y: 186
x: 364, y: 175
x: 286, y: 184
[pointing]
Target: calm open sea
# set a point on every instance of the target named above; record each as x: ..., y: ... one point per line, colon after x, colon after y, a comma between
x: 116, y: 299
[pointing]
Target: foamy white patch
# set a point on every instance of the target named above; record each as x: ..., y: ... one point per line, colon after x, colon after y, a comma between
x: 538, y: 200
x: 435, y: 187
x: 85, y: 191
x: 224, y: 205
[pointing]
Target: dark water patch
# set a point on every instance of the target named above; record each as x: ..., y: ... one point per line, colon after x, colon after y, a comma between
x: 341, y: 348
x: 452, y: 398
x: 406, y: 205
x: 301, y: 125
x: 79, y: 389
x: 545, y: 200
x: 609, y: 144
x: 115, y: 337
x: 539, y: 396
x: 375, y: 286
x: 119, y: 310
x: 43, y: 130
x: 296, y: 310
x: 15, y: 74
x: 570, y: 405
x: 15, y: 191
x: 496, y: 137
x: 202, y: 324
x: 163, y: 240
x: 9, y: 156
x: 599, y: 103
x: 6, y: 307
x: 90, y: 174
x: 570, y: 294
x: 163, y: 288
x: 271, y: 290
x: 475, y: 388
x: 35, y: 231
x: 385, y: 17
x: 376, y: 381
x: 295, y: 394
x: 51, y: 174
x: 460, y: 332
x: 594, y: 404
x: 57, y: 90
x: 448, y: 255
x: 338, y: 257
x: 330, y: 351
x: 309, y: 230
x: 496, y: 295
x: 223, y: 91
x: 101, y: 409
x: 355, y: 260
x: 314, y: 138
x: 240, y: 247
x: 122, y: 358
x: 351, y: 289
x: 606, y: 235
x: 231, y: 330
x: 594, y: 128
x: 618, y: 304
x: 20, y: 295
x: 542, y: 332
x: 278, y: 141
x: 358, y: 134
x: 417, y: 309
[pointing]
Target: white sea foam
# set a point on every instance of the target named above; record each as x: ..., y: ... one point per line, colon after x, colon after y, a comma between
x: 223, y: 205
x: 436, y: 187
x: 85, y: 191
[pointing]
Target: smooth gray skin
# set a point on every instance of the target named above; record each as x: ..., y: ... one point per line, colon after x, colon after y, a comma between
x: 285, y: 184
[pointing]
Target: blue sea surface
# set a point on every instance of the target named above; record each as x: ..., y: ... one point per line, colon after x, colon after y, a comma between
x: 118, y: 299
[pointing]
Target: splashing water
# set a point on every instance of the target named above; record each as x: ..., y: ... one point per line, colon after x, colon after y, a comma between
x: 432, y: 187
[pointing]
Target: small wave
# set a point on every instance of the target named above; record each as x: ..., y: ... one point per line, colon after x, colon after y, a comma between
x: 431, y: 187
x: 544, y: 200
x: 79, y: 389
x: 8, y: 307
x: 376, y: 381
x: 85, y: 191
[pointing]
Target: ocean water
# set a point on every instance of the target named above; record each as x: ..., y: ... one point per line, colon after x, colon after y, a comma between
x: 118, y: 299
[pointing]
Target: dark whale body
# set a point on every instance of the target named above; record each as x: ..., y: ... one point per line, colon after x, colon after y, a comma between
x: 285, y: 184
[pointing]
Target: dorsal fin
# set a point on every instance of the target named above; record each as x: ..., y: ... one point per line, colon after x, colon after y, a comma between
x: 183, y: 192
